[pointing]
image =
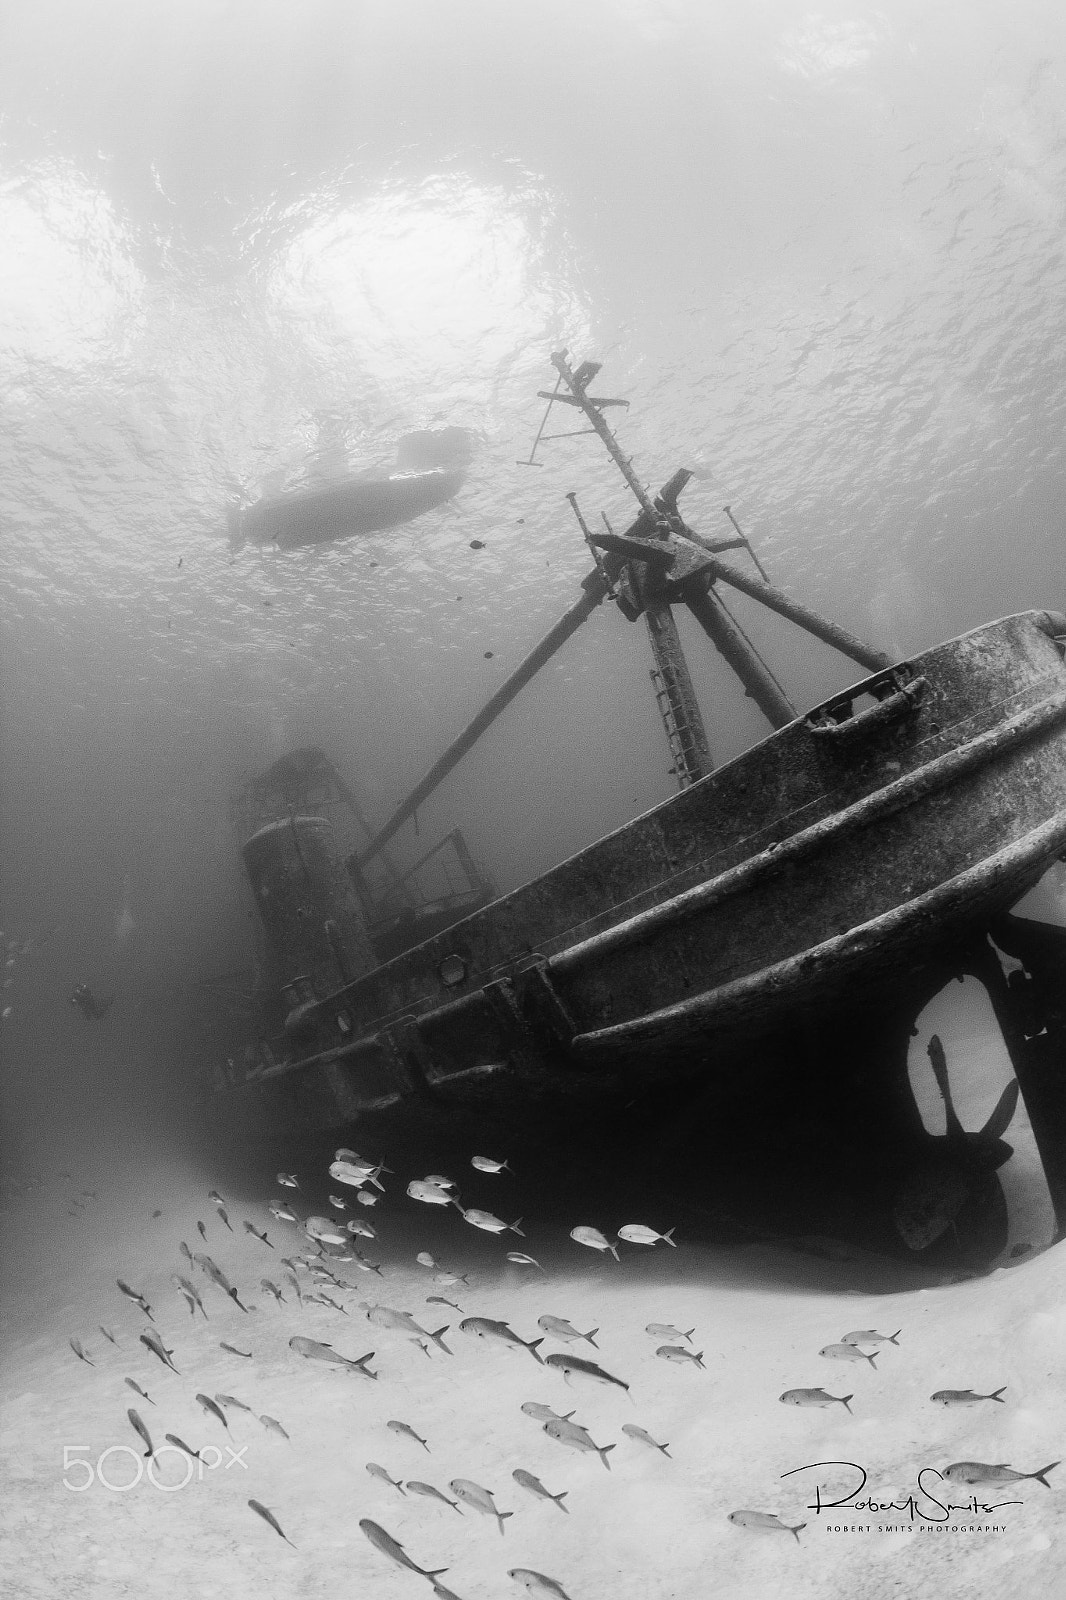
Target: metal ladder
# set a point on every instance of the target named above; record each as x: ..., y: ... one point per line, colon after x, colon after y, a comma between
x: 678, y: 733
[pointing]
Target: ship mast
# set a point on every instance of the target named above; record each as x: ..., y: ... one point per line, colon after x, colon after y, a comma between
x: 657, y: 562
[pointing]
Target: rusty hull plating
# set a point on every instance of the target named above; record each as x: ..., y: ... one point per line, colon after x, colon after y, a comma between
x: 833, y: 860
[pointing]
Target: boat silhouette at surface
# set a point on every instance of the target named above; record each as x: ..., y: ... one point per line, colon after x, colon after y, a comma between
x: 341, y: 509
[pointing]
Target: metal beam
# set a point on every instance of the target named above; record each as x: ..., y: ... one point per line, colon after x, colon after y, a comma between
x: 595, y: 587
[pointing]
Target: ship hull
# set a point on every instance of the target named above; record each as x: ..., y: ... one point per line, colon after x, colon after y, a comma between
x: 818, y: 873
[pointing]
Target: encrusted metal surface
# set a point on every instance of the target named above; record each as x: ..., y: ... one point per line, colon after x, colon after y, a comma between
x: 809, y: 865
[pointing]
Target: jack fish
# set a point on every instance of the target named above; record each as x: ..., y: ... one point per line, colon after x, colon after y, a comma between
x: 489, y: 1328
x: 559, y: 1328
x: 815, y: 1397
x: 313, y: 1350
x: 847, y: 1352
x: 575, y: 1367
x: 643, y: 1437
x: 428, y: 1490
x: 594, y: 1239
x: 142, y: 1430
x: 526, y: 1480
x: 538, y: 1583
x: 394, y: 1550
x: 473, y: 1494
x: 488, y: 1223
x: 403, y: 1322
x: 570, y: 1433
x: 969, y: 1472
x: 765, y: 1522
x: 966, y: 1397
x: 152, y: 1341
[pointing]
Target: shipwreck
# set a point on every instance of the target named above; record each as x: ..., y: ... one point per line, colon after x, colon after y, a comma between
x: 781, y: 920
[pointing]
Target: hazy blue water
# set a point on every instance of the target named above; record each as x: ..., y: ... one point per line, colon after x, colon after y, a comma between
x: 821, y: 251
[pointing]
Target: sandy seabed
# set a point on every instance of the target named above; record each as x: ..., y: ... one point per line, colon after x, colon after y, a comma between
x: 650, y: 1526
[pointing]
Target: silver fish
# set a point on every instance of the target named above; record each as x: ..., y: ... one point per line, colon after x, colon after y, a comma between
x: 271, y: 1288
x: 232, y: 1348
x: 533, y: 1408
x: 288, y: 1180
x: 403, y: 1322
x: 440, y: 1181
x: 189, y: 1301
x: 442, y: 1300
x: 326, y: 1230
x: 570, y: 1433
x: 487, y: 1164
x: 217, y: 1276
x: 846, y: 1352
x: 677, y: 1352
x: 75, y: 1345
x: 213, y: 1194
x: 231, y: 1400
x: 559, y: 1328
x: 575, y: 1367
x: 250, y: 1227
x: 108, y: 1335
x: 473, y: 1494
x: 868, y: 1336
x: 138, y: 1299
x: 268, y: 1516
x: 186, y: 1252
x: 222, y: 1214
x: 594, y: 1239
x: 282, y: 1213
x: 406, y: 1429
x: 379, y: 1472
x: 138, y: 1390
x: 152, y: 1341
x: 538, y: 1583
x: 526, y: 1480
x: 190, y: 1292
x: 424, y: 1259
x: 765, y: 1522
x: 643, y: 1437
x: 335, y: 1200
x: 361, y: 1228
x: 318, y: 1269
x: 175, y: 1439
x: 520, y: 1259
x: 488, y: 1223
x: 969, y: 1472
x: 356, y: 1174
x: 205, y: 1402
x: 364, y: 1265
x: 489, y: 1328
x: 637, y: 1233
x: 142, y: 1430
x: 431, y: 1195
x: 365, y: 1198
x: 383, y: 1541
x: 314, y: 1350
x: 815, y: 1397
x: 428, y: 1490
x: 325, y: 1300
x: 966, y: 1397
x: 666, y: 1330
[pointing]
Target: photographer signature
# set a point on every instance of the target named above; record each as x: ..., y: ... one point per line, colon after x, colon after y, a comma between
x: 940, y: 1510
